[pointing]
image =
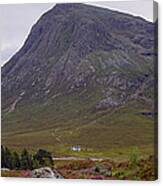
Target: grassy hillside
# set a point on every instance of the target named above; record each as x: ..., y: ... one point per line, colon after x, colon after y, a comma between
x: 101, y: 133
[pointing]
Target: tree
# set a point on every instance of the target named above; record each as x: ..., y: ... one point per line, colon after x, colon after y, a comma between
x: 26, y: 160
x: 16, y: 160
x: 44, y: 157
x: 3, y: 157
x: 35, y: 164
x: 8, y: 159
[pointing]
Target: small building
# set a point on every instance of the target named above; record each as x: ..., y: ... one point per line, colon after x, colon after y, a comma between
x: 76, y: 148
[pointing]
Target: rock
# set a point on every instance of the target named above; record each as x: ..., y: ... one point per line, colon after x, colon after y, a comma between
x: 44, y: 172
x: 106, y: 103
x: 105, y: 171
x: 5, y: 169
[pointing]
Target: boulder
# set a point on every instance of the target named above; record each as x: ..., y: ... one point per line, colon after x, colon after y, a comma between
x: 5, y: 169
x: 44, y: 172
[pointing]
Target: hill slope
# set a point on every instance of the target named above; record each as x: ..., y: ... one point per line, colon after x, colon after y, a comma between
x: 85, y: 75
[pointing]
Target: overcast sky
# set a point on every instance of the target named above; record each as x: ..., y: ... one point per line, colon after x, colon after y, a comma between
x: 16, y: 21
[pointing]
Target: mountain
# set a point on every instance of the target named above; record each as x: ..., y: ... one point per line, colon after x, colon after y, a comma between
x: 84, y: 73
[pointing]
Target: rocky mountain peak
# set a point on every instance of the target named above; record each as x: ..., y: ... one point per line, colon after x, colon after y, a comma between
x: 77, y: 48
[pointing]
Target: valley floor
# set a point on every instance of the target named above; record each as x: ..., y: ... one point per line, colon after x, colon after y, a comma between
x: 73, y: 168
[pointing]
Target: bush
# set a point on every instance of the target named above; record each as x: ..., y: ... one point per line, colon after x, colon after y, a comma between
x: 134, y: 157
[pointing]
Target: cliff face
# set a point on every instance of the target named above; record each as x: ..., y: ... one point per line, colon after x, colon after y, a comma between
x: 81, y: 48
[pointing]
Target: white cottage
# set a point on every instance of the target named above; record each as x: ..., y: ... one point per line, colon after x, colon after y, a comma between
x: 76, y: 148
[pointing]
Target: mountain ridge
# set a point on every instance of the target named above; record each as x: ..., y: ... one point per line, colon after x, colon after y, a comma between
x: 72, y: 48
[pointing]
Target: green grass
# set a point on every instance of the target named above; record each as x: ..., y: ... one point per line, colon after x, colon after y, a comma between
x: 111, y: 133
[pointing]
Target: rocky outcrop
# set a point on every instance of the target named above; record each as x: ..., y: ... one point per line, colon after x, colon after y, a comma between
x: 45, y: 172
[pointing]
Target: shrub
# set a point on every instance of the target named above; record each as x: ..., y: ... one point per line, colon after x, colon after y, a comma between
x: 134, y: 157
